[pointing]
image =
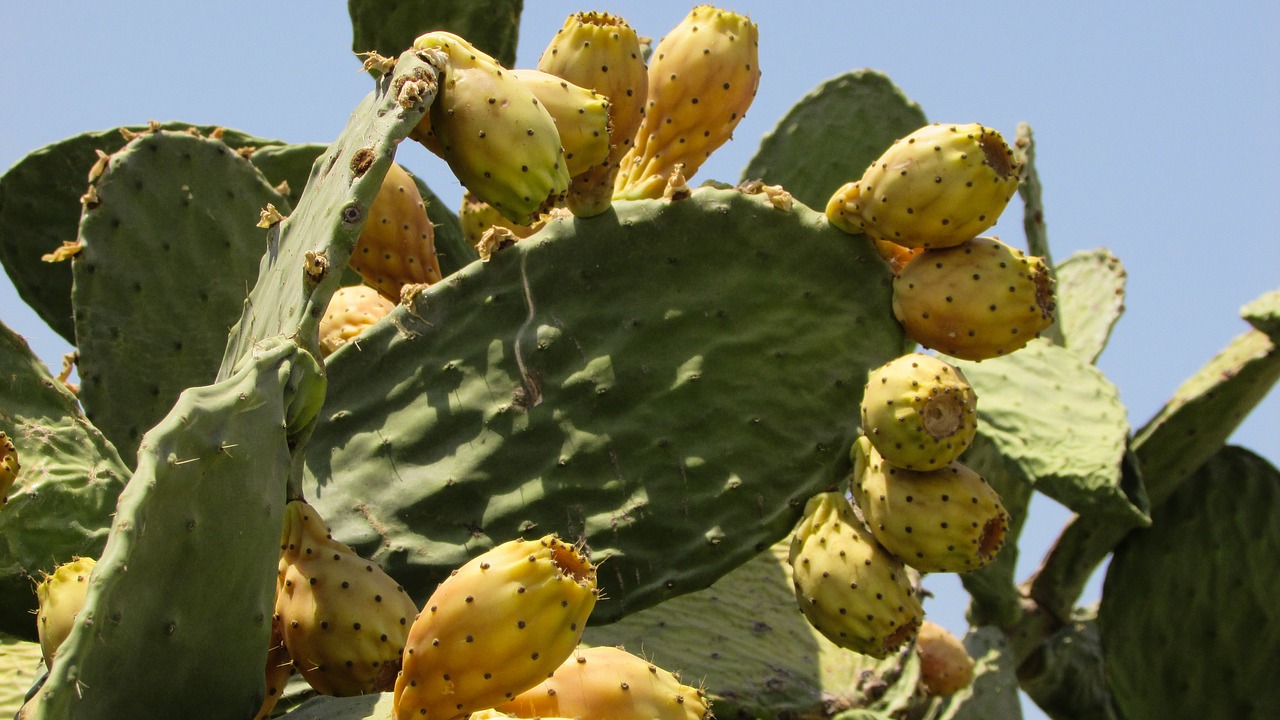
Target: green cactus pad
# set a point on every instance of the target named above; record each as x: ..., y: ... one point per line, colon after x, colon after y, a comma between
x: 744, y: 643
x: 1062, y: 422
x: 390, y: 28
x: 40, y: 209
x: 292, y: 289
x: 1264, y: 313
x: 1090, y: 296
x: 186, y: 582
x: 66, y: 490
x: 1066, y: 677
x: 168, y: 251
x: 1189, y: 621
x: 20, y: 665
x: 853, y: 118
x: 363, y: 707
x: 1193, y: 425
x: 289, y: 165
x: 676, y: 421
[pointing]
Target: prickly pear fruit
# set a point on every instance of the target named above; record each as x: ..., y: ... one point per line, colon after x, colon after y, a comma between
x: 702, y: 78
x: 854, y: 592
x: 919, y: 412
x: 945, y: 520
x: 498, y: 139
x: 343, y: 620
x: 609, y: 682
x: 937, y: 187
x: 61, y: 596
x: 278, y: 671
x: 351, y: 310
x: 976, y: 301
x: 945, y: 666
x: 477, y: 217
x: 397, y: 246
x: 9, y: 467
x: 601, y: 52
x: 581, y: 115
x: 496, y: 627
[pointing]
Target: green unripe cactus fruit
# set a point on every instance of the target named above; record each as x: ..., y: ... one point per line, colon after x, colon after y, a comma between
x: 702, y: 79
x: 602, y: 52
x: 945, y: 666
x: 581, y: 115
x: 351, y: 310
x: 854, y: 592
x: 945, y: 520
x: 975, y: 301
x: 61, y: 596
x: 9, y: 467
x: 496, y: 627
x: 919, y: 412
x: 343, y: 620
x: 937, y: 187
x: 494, y: 134
x: 397, y: 245
x: 609, y: 682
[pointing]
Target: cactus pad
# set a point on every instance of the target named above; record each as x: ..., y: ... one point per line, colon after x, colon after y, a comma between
x: 677, y: 424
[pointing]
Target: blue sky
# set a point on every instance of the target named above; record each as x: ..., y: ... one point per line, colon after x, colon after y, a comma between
x: 1156, y: 129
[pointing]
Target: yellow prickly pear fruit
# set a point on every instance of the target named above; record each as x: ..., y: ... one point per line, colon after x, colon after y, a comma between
x: 581, y: 115
x: 975, y: 301
x: 397, y: 246
x: 937, y: 187
x: 854, y: 592
x: 343, y: 620
x: 702, y: 78
x: 609, y: 682
x: 498, y: 139
x: 61, y: 596
x: 602, y: 52
x: 919, y: 412
x: 945, y: 666
x: 945, y: 520
x: 496, y: 627
x: 9, y: 467
x: 350, y: 312
x: 477, y: 217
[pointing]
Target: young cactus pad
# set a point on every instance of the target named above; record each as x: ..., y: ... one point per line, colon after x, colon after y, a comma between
x: 678, y: 432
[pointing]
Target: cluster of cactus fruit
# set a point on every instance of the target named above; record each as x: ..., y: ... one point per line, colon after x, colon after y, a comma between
x: 421, y: 423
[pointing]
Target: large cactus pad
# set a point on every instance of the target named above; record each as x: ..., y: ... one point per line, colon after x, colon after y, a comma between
x: 668, y: 382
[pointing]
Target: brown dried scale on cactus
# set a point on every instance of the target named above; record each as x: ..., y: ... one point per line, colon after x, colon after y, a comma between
x: 601, y: 52
x: 496, y: 627
x: 702, y: 78
x: 944, y: 520
x: 945, y: 666
x: 397, y: 245
x: 9, y: 467
x: 937, y: 187
x: 855, y: 593
x: 919, y: 412
x: 351, y: 311
x: 609, y: 682
x: 61, y: 596
x: 343, y: 620
x: 497, y: 138
x: 976, y: 301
